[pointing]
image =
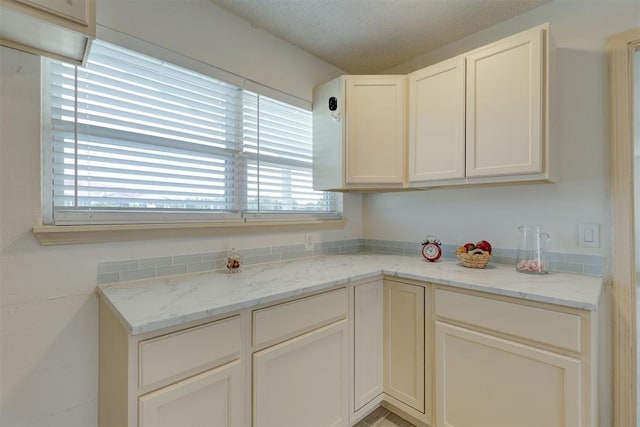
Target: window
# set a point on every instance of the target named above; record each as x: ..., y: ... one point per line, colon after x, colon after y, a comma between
x: 130, y: 138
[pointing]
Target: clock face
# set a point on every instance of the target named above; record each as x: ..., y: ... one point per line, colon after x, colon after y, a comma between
x: 431, y: 252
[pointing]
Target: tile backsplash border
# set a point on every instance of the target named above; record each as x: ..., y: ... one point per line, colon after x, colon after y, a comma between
x: 147, y: 268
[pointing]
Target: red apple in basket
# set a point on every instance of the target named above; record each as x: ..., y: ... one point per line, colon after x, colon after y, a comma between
x: 484, y: 245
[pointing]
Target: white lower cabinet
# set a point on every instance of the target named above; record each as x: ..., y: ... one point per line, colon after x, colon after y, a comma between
x: 503, y: 362
x: 405, y: 362
x: 367, y: 347
x: 185, y: 377
x: 212, y: 398
x: 482, y: 380
x: 436, y: 355
x: 303, y: 381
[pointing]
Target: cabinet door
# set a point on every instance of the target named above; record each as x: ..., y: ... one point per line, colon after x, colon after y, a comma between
x: 368, y: 343
x: 74, y: 10
x: 303, y: 381
x: 60, y: 29
x: 436, y: 122
x: 375, y: 130
x: 482, y: 380
x: 213, y: 398
x: 505, y: 83
x: 404, y: 356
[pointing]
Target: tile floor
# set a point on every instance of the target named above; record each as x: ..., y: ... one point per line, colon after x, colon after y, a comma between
x: 382, y: 417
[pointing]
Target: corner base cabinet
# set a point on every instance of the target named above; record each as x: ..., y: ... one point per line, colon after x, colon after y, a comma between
x: 405, y: 361
x: 368, y: 345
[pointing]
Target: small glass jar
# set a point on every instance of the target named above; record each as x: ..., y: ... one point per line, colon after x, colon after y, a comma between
x: 234, y: 262
x: 532, y: 252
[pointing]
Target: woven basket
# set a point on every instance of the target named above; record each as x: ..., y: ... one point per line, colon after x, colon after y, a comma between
x: 474, y: 259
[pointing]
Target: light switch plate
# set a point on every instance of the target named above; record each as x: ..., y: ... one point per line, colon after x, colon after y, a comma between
x: 589, y: 235
x: 308, y: 242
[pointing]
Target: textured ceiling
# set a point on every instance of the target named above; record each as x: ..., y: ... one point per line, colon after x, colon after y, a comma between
x: 370, y: 36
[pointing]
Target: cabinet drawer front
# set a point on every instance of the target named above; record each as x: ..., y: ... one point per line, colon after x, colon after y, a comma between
x: 175, y: 356
x: 554, y: 328
x: 296, y: 317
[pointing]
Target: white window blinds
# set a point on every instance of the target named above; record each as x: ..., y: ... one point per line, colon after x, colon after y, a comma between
x: 278, y: 151
x: 135, y: 139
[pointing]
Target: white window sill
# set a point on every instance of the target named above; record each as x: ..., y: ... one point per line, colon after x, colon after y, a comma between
x: 49, y: 235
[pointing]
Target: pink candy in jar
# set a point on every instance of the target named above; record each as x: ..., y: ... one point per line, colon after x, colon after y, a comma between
x: 532, y: 251
x: 531, y: 266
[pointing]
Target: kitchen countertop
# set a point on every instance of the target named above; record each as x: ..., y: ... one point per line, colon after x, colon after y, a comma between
x: 151, y: 304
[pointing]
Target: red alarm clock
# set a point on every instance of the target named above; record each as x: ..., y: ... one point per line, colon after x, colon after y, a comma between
x: 431, y: 249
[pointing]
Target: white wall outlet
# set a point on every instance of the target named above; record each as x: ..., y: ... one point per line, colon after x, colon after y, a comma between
x: 308, y: 242
x: 589, y: 235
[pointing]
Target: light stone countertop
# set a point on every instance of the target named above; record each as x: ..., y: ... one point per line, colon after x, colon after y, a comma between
x: 151, y: 304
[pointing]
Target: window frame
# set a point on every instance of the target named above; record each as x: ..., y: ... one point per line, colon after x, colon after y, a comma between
x: 161, y: 225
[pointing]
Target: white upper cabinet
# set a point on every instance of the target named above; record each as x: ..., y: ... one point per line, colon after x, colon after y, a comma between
x: 481, y: 117
x: 359, y: 133
x: 505, y: 107
x: 374, y: 128
x: 436, y: 122
x: 72, y: 10
x: 61, y: 29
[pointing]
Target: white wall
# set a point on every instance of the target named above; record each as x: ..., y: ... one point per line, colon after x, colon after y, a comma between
x: 581, y: 194
x: 206, y: 32
x: 48, y: 310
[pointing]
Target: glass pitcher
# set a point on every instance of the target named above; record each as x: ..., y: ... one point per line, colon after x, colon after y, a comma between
x: 532, y: 250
